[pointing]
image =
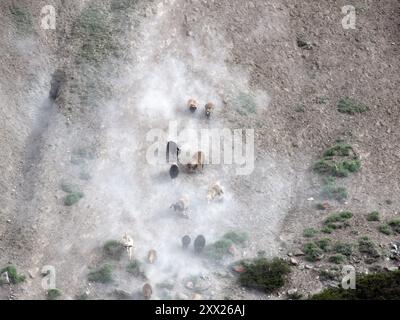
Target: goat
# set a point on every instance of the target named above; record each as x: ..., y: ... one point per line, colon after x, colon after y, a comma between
x: 127, y: 242
x: 147, y: 291
x: 197, y: 161
x: 192, y: 105
x: 209, y: 107
x: 152, y: 256
x: 215, y: 192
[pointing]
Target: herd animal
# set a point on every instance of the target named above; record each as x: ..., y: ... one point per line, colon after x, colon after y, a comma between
x: 127, y: 242
x: 208, y: 108
x: 182, y: 205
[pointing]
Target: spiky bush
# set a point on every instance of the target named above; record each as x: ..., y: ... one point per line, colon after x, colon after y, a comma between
x: 373, y: 216
x: 73, y: 198
x: 101, y: 275
x: 351, y: 106
x: 237, y: 237
x: 113, y: 249
x: 53, y: 294
x: 395, y: 225
x: 263, y: 274
x: 312, y: 251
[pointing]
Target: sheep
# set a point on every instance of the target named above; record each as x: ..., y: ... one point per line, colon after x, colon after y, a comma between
x: 182, y: 206
x: 199, y: 244
x: 152, y: 256
x: 192, y: 105
x: 215, y: 192
x: 209, y: 107
x: 127, y: 242
x: 186, y: 241
x: 197, y: 161
x: 147, y: 291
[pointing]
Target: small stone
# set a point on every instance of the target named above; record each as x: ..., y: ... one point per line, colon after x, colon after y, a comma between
x: 292, y: 291
x: 197, y: 296
x: 294, y: 262
x: 232, y: 250
x: 392, y: 269
x: 190, y: 285
x: 309, y: 267
x: 298, y: 253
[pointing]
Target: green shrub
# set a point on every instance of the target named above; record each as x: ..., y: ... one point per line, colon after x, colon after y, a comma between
x: 70, y: 187
x: 218, y: 249
x: 366, y: 246
x: 385, y: 229
x: 327, y: 275
x: 114, y: 249
x: 312, y: 251
x: 351, y: 106
x: 82, y: 155
x: 294, y: 296
x: 345, y: 249
x: 101, y: 275
x: 338, y: 161
x: 321, y: 100
x: 22, y: 19
x: 13, y: 275
x: 324, y: 244
x: 373, y: 216
x: 327, y: 230
x: 95, y: 29
x: 244, y: 103
x: 340, y: 150
x: 53, y: 294
x: 309, y: 233
x: 263, y: 274
x: 135, y: 268
x: 334, y: 193
x: 337, y: 168
x: 338, y: 220
x: 73, y: 198
x: 381, y: 286
x: 395, y: 225
x: 236, y: 237
x: 337, y: 259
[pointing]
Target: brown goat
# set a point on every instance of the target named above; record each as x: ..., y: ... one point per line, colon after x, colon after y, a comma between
x: 192, y: 105
x: 147, y: 291
x: 197, y: 161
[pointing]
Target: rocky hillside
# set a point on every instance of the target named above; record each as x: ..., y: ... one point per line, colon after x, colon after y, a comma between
x: 78, y: 102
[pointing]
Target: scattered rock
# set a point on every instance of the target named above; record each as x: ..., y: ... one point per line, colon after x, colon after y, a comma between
x: 292, y: 291
x: 294, y: 262
x: 197, y: 296
x: 298, y: 253
x: 309, y: 267
x: 239, y: 269
x: 189, y: 285
x: 122, y: 294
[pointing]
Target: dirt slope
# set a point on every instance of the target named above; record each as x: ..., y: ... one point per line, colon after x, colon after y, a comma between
x: 128, y: 67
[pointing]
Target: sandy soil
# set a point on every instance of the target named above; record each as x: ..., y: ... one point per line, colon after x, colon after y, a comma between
x: 135, y: 73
